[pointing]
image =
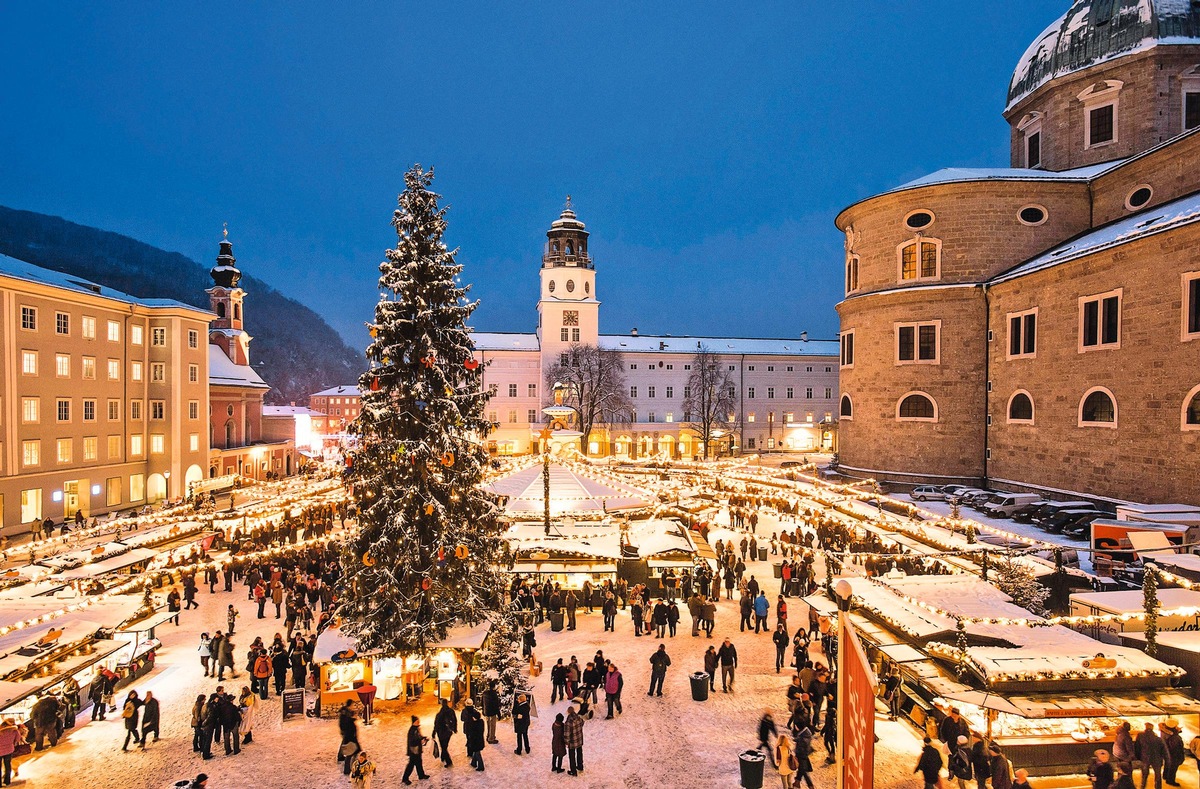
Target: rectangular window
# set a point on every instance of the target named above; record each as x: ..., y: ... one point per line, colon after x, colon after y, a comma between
x: 732, y: 368
x: 649, y: 391
x: 193, y: 338
x: 114, y: 331
x: 732, y: 391
x: 62, y: 323
x: 89, y: 368
x: 750, y: 417
x: 789, y: 416
x: 828, y: 392
x: 633, y: 367
x: 87, y: 327
x: 194, y: 373
x: 31, y: 505
x: 770, y: 393
x: 770, y: 368
x: 135, y: 409
x: 633, y: 391
x: 670, y: 392
x: 158, y: 372
x: 492, y: 417
x: 136, y: 334
x: 158, y: 337
x: 1101, y: 128
x: 89, y: 410
x: 114, y: 447
x: 31, y: 453
x: 135, y: 445
x: 670, y: 416
x: 158, y: 409
x: 63, y: 409
x: 749, y: 443
x: 1033, y: 149
x: 670, y: 367
x: 1191, y: 305
x: 31, y: 408
x: 112, y: 491
x: 1022, y: 334
x: 90, y: 447
x: 512, y: 390
x: 62, y: 365
x: 533, y: 391
x: 917, y: 343
x: 687, y: 392
x: 114, y: 369
x: 650, y: 417
x: 574, y: 335
x: 135, y: 371
x: 137, y: 487
x: 158, y: 444
x: 1100, y: 321
x: 808, y: 393
x: 750, y: 393
x: 29, y: 318
x: 1191, y: 110
x: 790, y: 393
x: 512, y: 416
x: 193, y: 409
x: 564, y: 335
x: 919, y: 260
x: 29, y: 362
x: 64, y: 449
x: 531, y: 417
x: 750, y: 368
x: 114, y: 410
x: 847, y: 349
x: 194, y: 442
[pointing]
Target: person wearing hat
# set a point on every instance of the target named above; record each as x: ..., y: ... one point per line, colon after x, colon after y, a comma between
x: 10, y: 736
x: 1001, y: 770
x: 1175, y: 750
x: 1100, y: 772
x: 520, y: 713
x: 951, y: 728
x: 1124, y: 773
x: 472, y: 725
x: 1022, y: 779
x: 960, y: 761
x: 199, y: 782
x: 416, y: 746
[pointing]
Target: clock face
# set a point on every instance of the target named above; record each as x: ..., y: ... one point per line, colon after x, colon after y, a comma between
x: 570, y: 286
x: 550, y: 287
x: 570, y: 317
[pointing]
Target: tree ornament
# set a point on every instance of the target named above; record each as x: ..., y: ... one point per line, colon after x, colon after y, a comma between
x: 349, y: 461
x: 426, y: 584
x: 447, y: 459
x: 375, y: 384
x: 421, y: 404
x: 428, y: 360
x: 449, y: 391
x: 374, y: 332
x: 428, y: 509
x: 471, y: 364
x: 441, y: 556
x: 368, y: 560
x: 460, y: 552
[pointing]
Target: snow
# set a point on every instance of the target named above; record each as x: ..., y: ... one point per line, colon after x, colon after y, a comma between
x: 960, y: 174
x: 571, y: 491
x: 19, y: 269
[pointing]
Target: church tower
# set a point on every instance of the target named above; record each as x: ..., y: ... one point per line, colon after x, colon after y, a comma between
x: 225, y: 299
x: 568, y: 312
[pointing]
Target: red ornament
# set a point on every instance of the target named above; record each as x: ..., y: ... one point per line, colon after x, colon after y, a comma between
x: 471, y: 364
x: 349, y: 461
x: 375, y: 384
x: 426, y: 584
x: 428, y: 360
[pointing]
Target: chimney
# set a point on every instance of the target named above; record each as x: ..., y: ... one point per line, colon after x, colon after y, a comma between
x: 633, y: 332
x: 803, y: 336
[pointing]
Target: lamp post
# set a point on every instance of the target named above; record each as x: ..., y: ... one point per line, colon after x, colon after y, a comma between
x: 843, y: 592
x: 167, y: 477
x: 556, y: 412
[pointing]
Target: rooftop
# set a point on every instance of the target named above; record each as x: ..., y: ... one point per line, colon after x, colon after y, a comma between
x: 19, y: 269
x: 350, y: 390
x: 652, y: 343
x: 223, y: 372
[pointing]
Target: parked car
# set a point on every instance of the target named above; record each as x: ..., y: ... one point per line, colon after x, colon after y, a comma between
x: 1082, y: 525
x: 981, y: 502
x: 954, y: 490
x: 1005, y: 504
x: 928, y: 493
x: 1052, y: 508
x: 1024, y: 513
x: 1059, y: 520
x: 967, y: 495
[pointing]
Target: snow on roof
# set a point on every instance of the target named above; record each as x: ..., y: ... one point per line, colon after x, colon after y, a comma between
x: 19, y: 269
x: 289, y: 410
x: 602, y: 540
x: 504, y: 341
x: 648, y: 343
x: 950, y: 175
x: 570, y: 492
x: 351, y: 390
x: 223, y: 372
x: 1134, y: 601
x: 1168, y: 216
x: 332, y: 641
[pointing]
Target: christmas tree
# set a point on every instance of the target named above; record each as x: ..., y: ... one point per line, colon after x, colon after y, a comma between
x: 428, y: 551
x: 499, y: 659
x: 1018, y: 583
x: 1150, y: 604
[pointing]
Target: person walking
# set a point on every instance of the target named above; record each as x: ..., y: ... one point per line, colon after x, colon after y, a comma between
x: 558, y: 744
x: 1173, y: 744
x: 415, y: 748
x: 929, y: 765
x: 785, y: 758
x: 472, y: 724
x: 558, y: 681
x: 445, y: 724
x: 129, y: 714
x: 672, y: 618
x: 1001, y: 771
x: 490, y: 701
x: 746, y: 610
x: 231, y: 615
x: 520, y: 713
x: 248, y: 705
x: 804, y: 750
x: 205, y: 650
x: 361, y: 771
x: 11, y: 735
x: 573, y: 734
x: 150, y: 718
x: 225, y: 659
x: 780, y: 637
x: 613, y: 684
x: 727, y: 654
x: 710, y: 616
x: 710, y: 667
x: 1154, y: 755
x: 959, y: 764
x: 348, y: 728
x: 609, y: 609
x: 659, y: 662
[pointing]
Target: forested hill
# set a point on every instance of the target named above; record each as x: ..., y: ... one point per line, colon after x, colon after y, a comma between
x: 294, y: 349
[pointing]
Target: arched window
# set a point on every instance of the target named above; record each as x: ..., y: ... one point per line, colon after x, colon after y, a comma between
x: 847, y: 407
x: 1098, y: 408
x: 220, y: 309
x: 852, y: 274
x: 1191, y: 410
x: 1020, y: 407
x: 570, y: 248
x: 917, y: 407
x: 919, y: 259
x: 229, y: 428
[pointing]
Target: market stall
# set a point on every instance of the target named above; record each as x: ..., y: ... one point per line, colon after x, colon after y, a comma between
x: 1122, y: 612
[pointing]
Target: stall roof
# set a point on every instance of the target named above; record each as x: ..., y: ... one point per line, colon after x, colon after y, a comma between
x: 14, y: 692
x: 571, y: 491
x: 109, y: 565
x: 108, y: 612
x: 154, y: 620
x: 1134, y: 602
x: 332, y: 640
x: 532, y: 566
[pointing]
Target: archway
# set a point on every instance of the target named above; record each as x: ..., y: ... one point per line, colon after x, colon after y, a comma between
x: 156, y: 488
x: 191, y: 478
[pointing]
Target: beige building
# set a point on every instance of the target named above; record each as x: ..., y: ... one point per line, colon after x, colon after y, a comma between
x: 103, y: 397
x: 1036, y: 327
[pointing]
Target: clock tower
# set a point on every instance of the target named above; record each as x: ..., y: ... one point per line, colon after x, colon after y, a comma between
x: 568, y: 312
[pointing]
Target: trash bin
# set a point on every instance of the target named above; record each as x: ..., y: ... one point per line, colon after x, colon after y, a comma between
x: 752, y: 768
x: 777, y: 568
x: 556, y: 621
x: 762, y: 554
x: 700, y: 686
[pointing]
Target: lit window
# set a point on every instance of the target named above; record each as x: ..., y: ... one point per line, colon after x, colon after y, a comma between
x: 157, y: 444
x: 137, y: 487
x: 135, y: 445
x: 916, y: 407
x: 1100, y: 321
x: 194, y: 442
x: 30, y: 410
x: 90, y: 447
x: 136, y: 335
x: 112, y: 491
x: 31, y: 453
x: 89, y: 368
x: 669, y: 417
x: 158, y: 336
x: 920, y: 259
x: 750, y: 417
x: 62, y: 365
x: 1098, y: 408
x: 62, y: 323
x: 114, y: 447
x: 135, y: 371
x: 87, y: 327
x: 29, y: 318
x: 114, y: 331
x: 31, y: 505
x: 917, y: 343
x: 64, y: 450
x: 114, y: 369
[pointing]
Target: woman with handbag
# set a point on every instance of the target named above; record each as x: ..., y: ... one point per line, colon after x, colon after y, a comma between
x: 785, y: 757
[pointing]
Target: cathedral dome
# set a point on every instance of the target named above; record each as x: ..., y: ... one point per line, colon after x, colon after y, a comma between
x: 1094, y: 31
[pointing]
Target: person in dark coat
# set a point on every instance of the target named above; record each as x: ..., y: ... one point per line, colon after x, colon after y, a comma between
x: 348, y: 728
x: 1001, y: 775
x: 952, y: 727
x: 1173, y: 743
x: 766, y: 730
x: 129, y: 713
x: 231, y: 725
x: 980, y: 762
x: 211, y: 730
x: 1100, y: 771
x: 445, y: 724
x: 416, y: 746
x: 491, y: 710
x: 929, y: 765
x: 280, y: 662
x: 472, y: 725
x: 150, y: 714
x: 1154, y: 755
x: 658, y: 669
x: 520, y: 714
x: 573, y: 734
x: 558, y: 744
x: 44, y: 716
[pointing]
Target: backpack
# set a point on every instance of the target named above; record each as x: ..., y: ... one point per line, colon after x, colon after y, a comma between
x: 960, y: 764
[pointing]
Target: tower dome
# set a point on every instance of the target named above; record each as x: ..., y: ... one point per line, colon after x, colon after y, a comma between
x: 226, y: 273
x: 1094, y: 31
x: 567, y: 240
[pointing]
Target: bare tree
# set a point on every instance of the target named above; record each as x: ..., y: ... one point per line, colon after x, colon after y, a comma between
x: 594, y: 382
x: 708, y: 400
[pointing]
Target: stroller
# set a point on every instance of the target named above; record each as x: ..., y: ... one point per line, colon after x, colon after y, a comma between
x: 585, y: 707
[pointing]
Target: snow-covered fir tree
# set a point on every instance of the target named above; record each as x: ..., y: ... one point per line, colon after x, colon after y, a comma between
x: 499, y: 660
x: 1018, y: 582
x: 428, y: 551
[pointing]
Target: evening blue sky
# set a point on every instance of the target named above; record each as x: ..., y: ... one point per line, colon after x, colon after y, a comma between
x: 707, y: 146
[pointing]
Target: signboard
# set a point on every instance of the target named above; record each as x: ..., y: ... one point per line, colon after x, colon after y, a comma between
x: 856, y: 747
x: 293, y: 702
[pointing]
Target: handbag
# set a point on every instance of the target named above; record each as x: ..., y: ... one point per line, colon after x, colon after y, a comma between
x: 22, y: 749
x: 348, y: 749
x: 436, y: 751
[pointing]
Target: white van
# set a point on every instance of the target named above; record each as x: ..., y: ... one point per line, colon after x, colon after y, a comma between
x: 1005, y: 504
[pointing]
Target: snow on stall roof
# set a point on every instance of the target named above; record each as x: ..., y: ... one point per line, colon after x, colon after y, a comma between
x: 1178, y: 213
x: 602, y: 540
x: 648, y: 343
x: 20, y: 269
x: 570, y: 491
x: 1134, y: 601
x: 332, y: 641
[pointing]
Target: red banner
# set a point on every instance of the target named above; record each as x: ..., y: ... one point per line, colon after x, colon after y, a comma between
x: 856, y: 745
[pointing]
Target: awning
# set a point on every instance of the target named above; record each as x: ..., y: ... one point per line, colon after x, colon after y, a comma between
x: 110, y: 565
x: 15, y: 692
x: 154, y: 620
x: 989, y: 701
x: 902, y: 653
x: 531, y: 566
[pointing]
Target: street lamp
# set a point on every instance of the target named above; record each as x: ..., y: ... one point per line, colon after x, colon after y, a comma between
x: 843, y: 592
x: 167, y: 477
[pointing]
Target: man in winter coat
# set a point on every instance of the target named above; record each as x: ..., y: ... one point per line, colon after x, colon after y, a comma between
x: 472, y: 724
x: 635, y: 614
x: 1154, y: 755
x: 658, y: 668
x: 416, y: 746
x: 1173, y: 743
x: 225, y: 659
x: 521, y: 722
x: 279, y: 667
x: 979, y: 762
x: 746, y: 609
x: 44, y: 716
x: 960, y: 762
x: 445, y: 724
x: 609, y: 609
x: 762, y: 607
x: 710, y: 667
x: 231, y: 724
x: 727, y: 655
x: 1001, y: 775
x: 695, y: 606
x: 952, y: 727
x: 150, y: 718
x: 613, y: 684
x: 573, y: 733
x: 672, y: 618
x: 490, y: 701
x: 929, y: 765
x: 780, y: 637
x: 572, y: 603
